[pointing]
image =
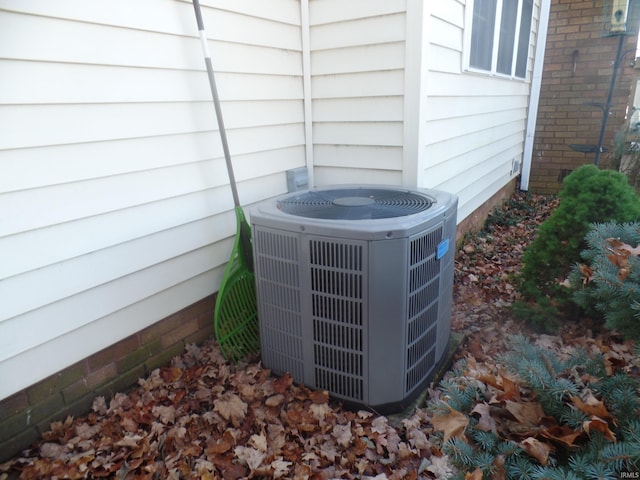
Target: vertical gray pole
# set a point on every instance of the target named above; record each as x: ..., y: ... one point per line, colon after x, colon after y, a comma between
x: 607, y: 106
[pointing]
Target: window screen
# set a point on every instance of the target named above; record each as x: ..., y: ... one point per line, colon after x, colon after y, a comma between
x: 523, y: 41
x: 484, y: 19
x: 507, y: 36
x: 497, y: 45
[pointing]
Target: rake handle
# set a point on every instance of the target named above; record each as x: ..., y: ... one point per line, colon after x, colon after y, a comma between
x: 216, y: 101
x: 245, y: 237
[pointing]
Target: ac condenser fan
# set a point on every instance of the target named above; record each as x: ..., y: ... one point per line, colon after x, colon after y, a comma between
x: 355, y: 203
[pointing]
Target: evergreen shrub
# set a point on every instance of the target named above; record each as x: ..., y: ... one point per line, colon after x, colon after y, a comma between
x: 589, y: 195
x: 608, y: 283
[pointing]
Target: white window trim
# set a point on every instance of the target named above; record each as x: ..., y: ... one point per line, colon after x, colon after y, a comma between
x: 468, y: 24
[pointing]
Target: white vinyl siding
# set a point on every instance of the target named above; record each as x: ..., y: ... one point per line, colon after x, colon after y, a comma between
x: 116, y: 208
x: 474, y: 125
x: 357, y: 86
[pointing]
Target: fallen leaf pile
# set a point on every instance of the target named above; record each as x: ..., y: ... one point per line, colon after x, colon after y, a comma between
x: 201, y: 417
x: 488, y: 261
x: 485, y: 270
x: 511, y: 410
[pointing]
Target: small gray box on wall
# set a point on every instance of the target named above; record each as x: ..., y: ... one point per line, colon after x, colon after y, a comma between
x: 297, y: 179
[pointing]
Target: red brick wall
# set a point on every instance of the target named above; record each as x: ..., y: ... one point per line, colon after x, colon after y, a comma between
x: 475, y: 221
x: 578, y: 68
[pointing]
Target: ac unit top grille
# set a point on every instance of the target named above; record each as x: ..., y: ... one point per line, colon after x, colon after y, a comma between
x: 355, y: 203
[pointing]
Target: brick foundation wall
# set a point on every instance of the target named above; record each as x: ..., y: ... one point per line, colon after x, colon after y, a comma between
x: 475, y: 221
x: 25, y: 415
x: 577, y: 69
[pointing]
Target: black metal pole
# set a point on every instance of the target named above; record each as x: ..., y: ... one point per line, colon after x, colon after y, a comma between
x: 607, y: 106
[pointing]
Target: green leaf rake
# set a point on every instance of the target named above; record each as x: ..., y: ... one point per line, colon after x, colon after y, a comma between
x: 235, y: 318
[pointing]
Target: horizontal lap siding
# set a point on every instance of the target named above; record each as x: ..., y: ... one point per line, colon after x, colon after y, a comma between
x: 357, y: 85
x: 116, y: 208
x: 474, y: 123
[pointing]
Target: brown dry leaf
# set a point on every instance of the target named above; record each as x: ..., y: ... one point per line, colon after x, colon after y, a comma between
x: 393, y: 441
x: 281, y: 384
x: 477, y: 370
x: 52, y: 450
x: 328, y: 451
x: 490, y: 379
x: 250, y: 457
x: 166, y: 414
x: 152, y: 382
x: 620, y: 246
x: 85, y: 431
x: 623, y: 273
x: 191, y: 450
x: 510, y: 387
x: 475, y: 301
x: 319, y: 396
x: 619, y: 257
x: 599, y: 425
x: 562, y: 434
x: 452, y: 424
x: 274, y: 400
x: 230, y: 468
x: 379, y: 425
x: 129, y: 441
x: 276, y: 436
x: 220, y: 446
x: 618, y: 260
x: 248, y: 392
x: 469, y: 248
x: 499, y: 472
x: 303, y: 472
x: 342, y: 434
x: 475, y: 475
x: 231, y: 407
x: 591, y: 406
x: 418, y: 439
x: 171, y: 374
x: 475, y: 348
x: 440, y: 468
x: 586, y: 272
x: 486, y: 422
x: 259, y: 442
x: 129, y: 423
x: 527, y: 413
x: 537, y: 449
x: 548, y: 342
x: 100, y: 405
x: 280, y: 468
x: 320, y: 410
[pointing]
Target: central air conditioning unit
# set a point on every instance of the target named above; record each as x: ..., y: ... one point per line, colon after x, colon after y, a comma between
x: 354, y: 288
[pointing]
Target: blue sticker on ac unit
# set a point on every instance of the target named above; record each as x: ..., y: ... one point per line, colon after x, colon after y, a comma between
x: 442, y: 248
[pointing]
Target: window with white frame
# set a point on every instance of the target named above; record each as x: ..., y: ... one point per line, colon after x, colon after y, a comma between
x: 499, y: 40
